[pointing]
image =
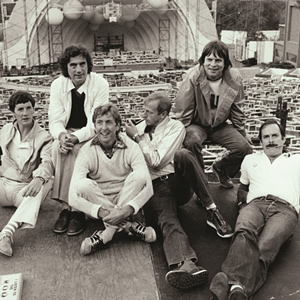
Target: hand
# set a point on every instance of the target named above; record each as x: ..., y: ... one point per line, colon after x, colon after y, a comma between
x: 130, y: 129
x: 66, y: 142
x: 33, y: 188
x: 117, y: 215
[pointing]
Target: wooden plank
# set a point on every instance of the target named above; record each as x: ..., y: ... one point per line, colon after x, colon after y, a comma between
x: 53, y: 268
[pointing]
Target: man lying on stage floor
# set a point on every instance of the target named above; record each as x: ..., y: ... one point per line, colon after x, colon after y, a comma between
x: 111, y: 181
x: 269, y: 205
x: 26, y: 167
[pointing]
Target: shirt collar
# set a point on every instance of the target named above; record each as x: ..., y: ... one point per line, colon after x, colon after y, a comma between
x: 119, y: 144
x: 31, y: 132
x: 83, y: 87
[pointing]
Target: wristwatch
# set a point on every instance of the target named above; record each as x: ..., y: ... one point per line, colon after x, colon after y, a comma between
x: 41, y: 178
x: 134, y: 136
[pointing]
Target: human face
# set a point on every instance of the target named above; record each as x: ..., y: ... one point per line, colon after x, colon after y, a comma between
x: 213, y: 66
x: 151, y: 115
x: 78, y: 70
x: 106, y: 130
x: 24, y: 114
x: 272, y: 141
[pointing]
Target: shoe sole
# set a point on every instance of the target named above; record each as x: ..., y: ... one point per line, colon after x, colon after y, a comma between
x: 226, y: 236
x: 222, y: 184
x: 5, y: 253
x: 76, y: 232
x: 182, y: 280
x: 60, y: 231
x: 219, y: 287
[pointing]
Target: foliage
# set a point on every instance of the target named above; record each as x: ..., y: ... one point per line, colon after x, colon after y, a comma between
x: 249, y: 15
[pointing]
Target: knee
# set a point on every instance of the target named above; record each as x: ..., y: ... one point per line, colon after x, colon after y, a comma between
x: 84, y: 186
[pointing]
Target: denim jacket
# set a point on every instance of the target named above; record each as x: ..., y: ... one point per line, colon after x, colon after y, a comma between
x: 39, y: 161
x: 192, y: 104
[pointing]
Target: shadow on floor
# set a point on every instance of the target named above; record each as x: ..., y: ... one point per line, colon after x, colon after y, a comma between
x: 283, y: 281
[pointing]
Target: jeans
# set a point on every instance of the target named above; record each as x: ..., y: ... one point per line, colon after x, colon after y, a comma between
x: 262, y: 227
x: 163, y: 207
x: 190, y: 178
x: 226, y: 136
x: 173, y: 192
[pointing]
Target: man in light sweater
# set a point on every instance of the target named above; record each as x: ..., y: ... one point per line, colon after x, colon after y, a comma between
x: 110, y: 181
x: 176, y: 174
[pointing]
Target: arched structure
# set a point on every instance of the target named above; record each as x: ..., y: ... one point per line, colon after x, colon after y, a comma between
x: 179, y: 30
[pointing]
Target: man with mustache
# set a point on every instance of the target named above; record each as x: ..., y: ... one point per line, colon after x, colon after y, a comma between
x: 268, y: 198
x: 209, y: 96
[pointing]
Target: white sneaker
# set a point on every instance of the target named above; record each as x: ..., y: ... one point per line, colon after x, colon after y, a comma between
x: 6, y: 244
x: 142, y: 232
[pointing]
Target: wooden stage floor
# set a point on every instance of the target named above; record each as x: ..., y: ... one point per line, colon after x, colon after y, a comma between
x: 54, y: 270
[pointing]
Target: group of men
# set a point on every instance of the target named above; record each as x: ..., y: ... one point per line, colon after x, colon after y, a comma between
x: 96, y: 169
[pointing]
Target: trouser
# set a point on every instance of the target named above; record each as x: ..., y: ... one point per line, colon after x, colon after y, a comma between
x: 226, y: 136
x: 190, y: 177
x: 64, y: 166
x: 89, y: 194
x: 27, y: 207
x: 162, y: 207
x: 262, y: 227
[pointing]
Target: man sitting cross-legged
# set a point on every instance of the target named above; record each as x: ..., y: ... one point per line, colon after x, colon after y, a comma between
x: 110, y: 181
x: 26, y: 168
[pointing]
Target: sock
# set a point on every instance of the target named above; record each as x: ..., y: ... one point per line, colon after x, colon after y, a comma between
x: 11, y: 227
x: 108, y: 234
x: 211, y: 206
x: 236, y: 286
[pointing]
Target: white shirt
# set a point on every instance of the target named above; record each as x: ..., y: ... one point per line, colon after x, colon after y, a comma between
x: 96, y: 91
x: 280, y: 178
x: 159, y: 152
x: 19, y: 150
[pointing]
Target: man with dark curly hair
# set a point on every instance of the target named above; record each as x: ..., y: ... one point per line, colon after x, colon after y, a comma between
x: 73, y: 98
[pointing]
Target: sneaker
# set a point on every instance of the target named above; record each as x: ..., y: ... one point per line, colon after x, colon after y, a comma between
x: 142, y: 232
x: 186, y: 276
x: 237, y: 293
x: 5, y: 244
x: 223, y: 178
x: 219, y: 287
x: 92, y: 243
x: 216, y: 221
x: 62, y: 223
x: 77, y: 223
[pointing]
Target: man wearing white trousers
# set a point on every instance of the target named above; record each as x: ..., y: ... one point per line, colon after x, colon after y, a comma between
x: 26, y: 169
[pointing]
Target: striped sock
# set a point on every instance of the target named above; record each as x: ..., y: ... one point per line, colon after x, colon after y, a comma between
x: 11, y: 227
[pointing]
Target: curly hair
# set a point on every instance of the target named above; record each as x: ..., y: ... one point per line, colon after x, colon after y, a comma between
x: 73, y: 51
x: 217, y: 48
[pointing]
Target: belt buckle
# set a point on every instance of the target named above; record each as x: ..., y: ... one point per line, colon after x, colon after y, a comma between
x: 164, y: 177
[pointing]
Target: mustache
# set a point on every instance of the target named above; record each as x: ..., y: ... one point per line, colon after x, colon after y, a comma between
x: 274, y: 146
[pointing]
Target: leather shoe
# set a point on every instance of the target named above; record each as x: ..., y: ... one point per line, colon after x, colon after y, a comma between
x: 77, y: 223
x: 62, y: 223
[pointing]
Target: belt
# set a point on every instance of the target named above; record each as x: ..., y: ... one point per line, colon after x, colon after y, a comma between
x: 162, y: 178
x: 277, y: 199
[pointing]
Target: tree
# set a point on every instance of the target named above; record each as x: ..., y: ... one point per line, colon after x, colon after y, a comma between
x: 249, y: 15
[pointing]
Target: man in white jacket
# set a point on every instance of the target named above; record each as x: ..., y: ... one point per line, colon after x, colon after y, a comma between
x: 73, y: 98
